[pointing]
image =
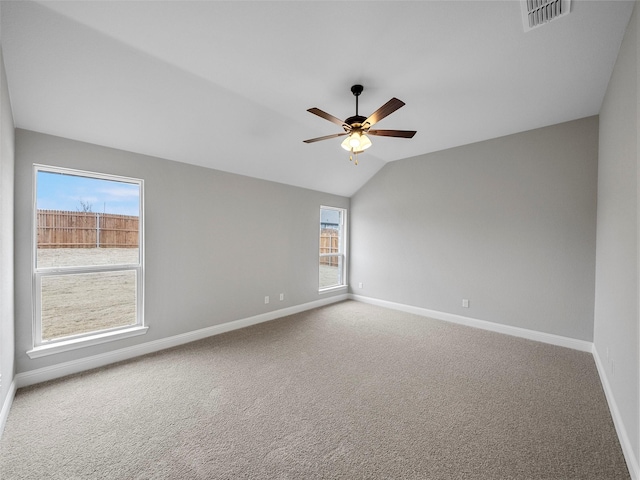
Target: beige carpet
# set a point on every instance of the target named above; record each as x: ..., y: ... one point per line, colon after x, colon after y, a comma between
x: 348, y: 391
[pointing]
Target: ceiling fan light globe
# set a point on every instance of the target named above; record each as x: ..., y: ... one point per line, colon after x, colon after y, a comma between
x: 354, y: 140
x: 345, y: 144
x: 364, y: 142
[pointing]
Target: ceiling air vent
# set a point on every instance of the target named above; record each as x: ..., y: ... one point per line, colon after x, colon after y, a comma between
x: 536, y: 13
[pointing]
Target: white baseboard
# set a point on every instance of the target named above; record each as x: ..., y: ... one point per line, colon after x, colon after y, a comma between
x: 549, y: 338
x: 627, y: 449
x: 76, y: 366
x: 6, y: 406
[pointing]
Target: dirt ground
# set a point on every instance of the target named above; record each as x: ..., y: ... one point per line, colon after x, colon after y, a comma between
x: 81, y: 303
x: 66, y: 257
x: 328, y: 276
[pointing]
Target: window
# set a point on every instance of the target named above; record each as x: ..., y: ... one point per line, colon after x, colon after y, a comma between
x: 87, y: 259
x: 332, y: 247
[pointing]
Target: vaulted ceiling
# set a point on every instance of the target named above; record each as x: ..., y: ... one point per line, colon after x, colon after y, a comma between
x: 226, y: 85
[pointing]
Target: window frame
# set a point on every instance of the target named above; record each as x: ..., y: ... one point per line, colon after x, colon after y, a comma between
x: 342, y: 249
x: 71, y: 342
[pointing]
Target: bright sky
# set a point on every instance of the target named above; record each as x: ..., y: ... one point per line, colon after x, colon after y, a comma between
x: 57, y: 191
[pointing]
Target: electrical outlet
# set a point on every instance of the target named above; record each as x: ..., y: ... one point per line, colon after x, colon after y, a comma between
x: 465, y: 303
x: 281, y: 296
x: 360, y: 285
x: 266, y: 299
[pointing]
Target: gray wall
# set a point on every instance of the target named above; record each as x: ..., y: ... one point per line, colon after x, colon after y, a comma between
x: 216, y: 243
x: 616, y: 297
x: 508, y: 223
x: 6, y: 237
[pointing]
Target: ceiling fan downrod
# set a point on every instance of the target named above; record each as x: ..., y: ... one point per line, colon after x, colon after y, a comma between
x: 357, y: 90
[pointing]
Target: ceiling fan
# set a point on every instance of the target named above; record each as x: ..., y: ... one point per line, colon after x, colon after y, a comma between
x: 357, y: 127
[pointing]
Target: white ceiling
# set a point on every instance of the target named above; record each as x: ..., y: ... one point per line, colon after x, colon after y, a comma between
x: 226, y: 85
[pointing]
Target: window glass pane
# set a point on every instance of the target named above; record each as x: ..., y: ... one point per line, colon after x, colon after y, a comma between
x: 86, y: 221
x: 330, y: 271
x: 82, y: 303
x: 329, y: 218
x: 329, y: 231
x: 332, y: 254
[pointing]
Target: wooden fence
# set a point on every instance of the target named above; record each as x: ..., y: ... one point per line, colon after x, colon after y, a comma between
x: 329, y: 243
x: 62, y: 229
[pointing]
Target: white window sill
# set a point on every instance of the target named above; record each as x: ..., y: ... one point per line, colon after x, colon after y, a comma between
x: 333, y: 289
x: 67, y: 345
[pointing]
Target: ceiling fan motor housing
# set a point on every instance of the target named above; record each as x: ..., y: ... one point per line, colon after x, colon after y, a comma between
x: 356, y: 121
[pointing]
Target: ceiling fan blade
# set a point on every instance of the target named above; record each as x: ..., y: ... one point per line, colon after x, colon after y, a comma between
x: 393, y: 133
x: 385, y: 110
x: 327, y: 116
x: 326, y: 137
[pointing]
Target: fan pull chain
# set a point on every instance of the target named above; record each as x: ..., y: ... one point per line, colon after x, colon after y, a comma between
x: 351, y: 157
